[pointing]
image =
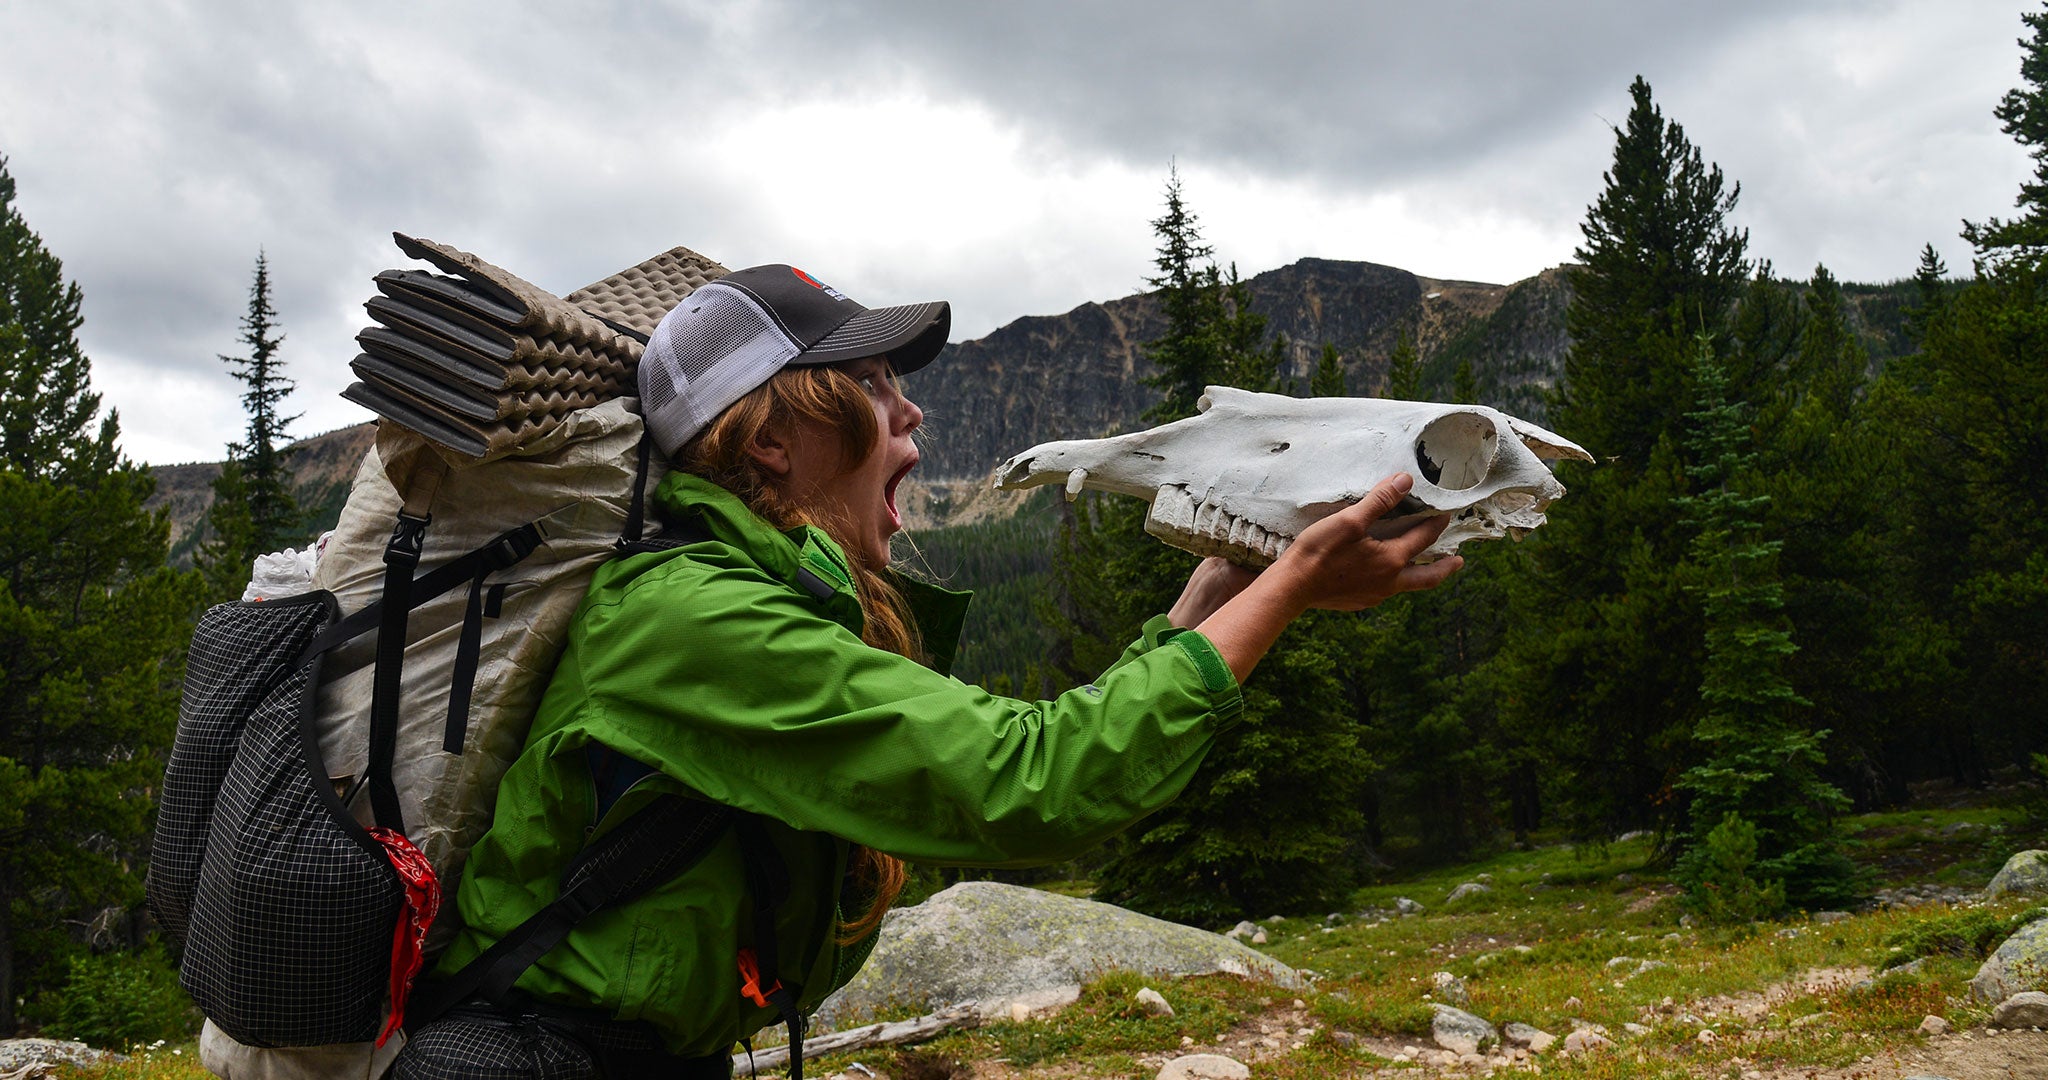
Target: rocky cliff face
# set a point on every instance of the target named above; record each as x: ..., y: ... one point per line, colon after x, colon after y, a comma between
x: 1081, y: 375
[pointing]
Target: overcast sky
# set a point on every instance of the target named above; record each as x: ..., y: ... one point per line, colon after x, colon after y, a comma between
x: 1005, y: 156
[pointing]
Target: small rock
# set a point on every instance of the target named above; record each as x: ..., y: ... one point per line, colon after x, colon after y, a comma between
x: 1154, y: 1004
x: 1527, y: 1037
x: 1621, y: 961
x: 1205, y: 1067
x: 1468, y: 889
x: 1585, y: 1040
x: 1333, y: 918
x: 2023, y: 1010
x: 1686, y: 920
x: 1829, y: 916
x: 1706, y: 1036
x: 1636, y: 1029
x: 1019, y: 1012
x: 1791, y: 932
x: 1450, y: 988
x: 1810, y: 1019
x: 1934, y: 1025
x: 1573, y: 1003
x: 1651, y: 965
x: 1343, y: 1038
x: 1406, y: 906
x: 1483, y: 879
x: 1911, y: 967
x: 1461, y: 1032
x: 1258, y: 937
x: 1275, y: 920
x: 1624, y: 879
x: 2026, y: 872
x: 1242, y: 930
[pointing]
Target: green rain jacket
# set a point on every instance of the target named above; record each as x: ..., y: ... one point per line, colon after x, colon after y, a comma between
x: 712, y: 664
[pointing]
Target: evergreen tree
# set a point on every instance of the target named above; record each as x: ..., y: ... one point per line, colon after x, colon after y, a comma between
x: 253, y: 509
x: 1970, y: 407
x: 1465, y: 384
x: 1189, y: 356
x: 91, y: 620
x: 1404, y: 370
x: 1930, y: 281
x: 2019, y: 244
x: 1328, y: 380
x: 1267, y: 819
x: 1604, y: 659
x: 1759, y: 763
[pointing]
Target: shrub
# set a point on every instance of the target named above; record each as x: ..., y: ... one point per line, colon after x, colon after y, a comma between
x: 1718, y: 886
x: 1970, y: 934
x: 118, y: 1000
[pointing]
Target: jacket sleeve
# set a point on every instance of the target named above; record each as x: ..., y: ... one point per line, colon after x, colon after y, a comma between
x: 742, y: 689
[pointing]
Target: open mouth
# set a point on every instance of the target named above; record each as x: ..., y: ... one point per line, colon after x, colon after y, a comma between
x: 889, y: 491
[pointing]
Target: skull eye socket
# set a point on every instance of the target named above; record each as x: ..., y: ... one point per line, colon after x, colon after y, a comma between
x: 1455, y: 451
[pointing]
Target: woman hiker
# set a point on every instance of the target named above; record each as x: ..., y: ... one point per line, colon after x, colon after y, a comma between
x: 772, y: 663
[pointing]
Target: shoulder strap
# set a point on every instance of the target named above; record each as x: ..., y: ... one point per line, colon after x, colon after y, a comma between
x: 665, y: 838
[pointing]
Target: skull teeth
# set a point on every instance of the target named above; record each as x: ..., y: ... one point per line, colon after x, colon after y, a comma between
x: 1204, y: 527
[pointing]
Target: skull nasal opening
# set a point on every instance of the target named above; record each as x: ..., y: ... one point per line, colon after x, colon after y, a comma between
x: 1456, y: 450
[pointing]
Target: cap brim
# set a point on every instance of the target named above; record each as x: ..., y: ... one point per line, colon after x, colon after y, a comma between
x: 911, y: 335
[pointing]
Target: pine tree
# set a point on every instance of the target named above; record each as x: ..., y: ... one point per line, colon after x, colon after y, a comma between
x: 1328, y: 380
x: 1604, y: 658
x: 1189, y: 356
x: 91, y: 620
x: 2021, y: 243
x: 1759, y: 763
x: 1930, y: 282
x: 253, y: 509
x: 1970, y: 409
x: 1404, y: 370
x: 1266, y: 821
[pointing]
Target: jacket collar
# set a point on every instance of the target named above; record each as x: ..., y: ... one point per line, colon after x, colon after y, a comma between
x: 809, y: 561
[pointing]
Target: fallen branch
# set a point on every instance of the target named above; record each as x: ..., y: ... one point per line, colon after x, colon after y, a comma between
x: 897, y: 1033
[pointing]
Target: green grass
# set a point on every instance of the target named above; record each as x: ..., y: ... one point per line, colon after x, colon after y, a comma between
x: 1537, y: 950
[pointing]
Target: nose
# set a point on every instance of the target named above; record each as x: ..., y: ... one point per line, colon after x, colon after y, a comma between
x: 908, y: 415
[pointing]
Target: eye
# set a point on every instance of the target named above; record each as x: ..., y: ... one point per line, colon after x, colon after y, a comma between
x: 868, y: 383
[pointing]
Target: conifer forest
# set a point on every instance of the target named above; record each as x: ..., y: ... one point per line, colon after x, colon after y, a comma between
x: 1805, y: 575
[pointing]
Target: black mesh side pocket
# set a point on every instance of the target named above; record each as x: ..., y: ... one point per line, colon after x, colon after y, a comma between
x: 288, y: 915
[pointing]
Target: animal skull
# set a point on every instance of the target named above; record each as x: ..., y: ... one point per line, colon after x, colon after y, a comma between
x: 1244, y: 477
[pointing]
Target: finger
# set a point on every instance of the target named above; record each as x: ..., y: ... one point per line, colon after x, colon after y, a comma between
x: 1413, y: 542
x: 1384, y: 496
x: 1428, y: 575
x: 1389, y: 528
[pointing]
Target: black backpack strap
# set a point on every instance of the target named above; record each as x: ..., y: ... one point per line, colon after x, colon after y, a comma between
x: 663, y: 839
x: 505, y: 550
x: 401, y: 555
x: 768, y: 885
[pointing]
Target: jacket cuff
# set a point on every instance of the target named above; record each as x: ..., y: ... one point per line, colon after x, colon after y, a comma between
x: 1225, y: 698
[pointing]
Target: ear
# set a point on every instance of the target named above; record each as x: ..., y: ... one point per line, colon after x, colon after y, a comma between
x: 770, y: 450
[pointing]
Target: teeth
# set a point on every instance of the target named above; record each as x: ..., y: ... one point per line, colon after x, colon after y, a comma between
x: 1205, y: 528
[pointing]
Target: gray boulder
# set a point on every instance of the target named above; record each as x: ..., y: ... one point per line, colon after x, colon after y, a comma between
x: 2023, y: 1010
x: 1204, y: 1067
x: 2024, y: 874
x: 993, y: 944
x: 1461, y: 1032
x: 1468, y: 889
x: 21, y: 1054
x: 2018, y: 965
x: 1406, y: 906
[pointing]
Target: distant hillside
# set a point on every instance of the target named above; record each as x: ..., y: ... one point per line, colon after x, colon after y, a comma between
x: 1080, y: 375
x: 322, y: 468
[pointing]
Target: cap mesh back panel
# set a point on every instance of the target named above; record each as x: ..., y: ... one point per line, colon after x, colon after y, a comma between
x: 710, y: 360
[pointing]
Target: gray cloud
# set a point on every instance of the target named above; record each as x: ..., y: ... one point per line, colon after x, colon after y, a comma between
x: 158, y: 149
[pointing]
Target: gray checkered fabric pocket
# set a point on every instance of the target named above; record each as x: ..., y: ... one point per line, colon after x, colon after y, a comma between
x: 285, y: 904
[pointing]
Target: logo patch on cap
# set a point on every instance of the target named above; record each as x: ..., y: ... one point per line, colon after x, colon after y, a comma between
x: 819, y: 285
